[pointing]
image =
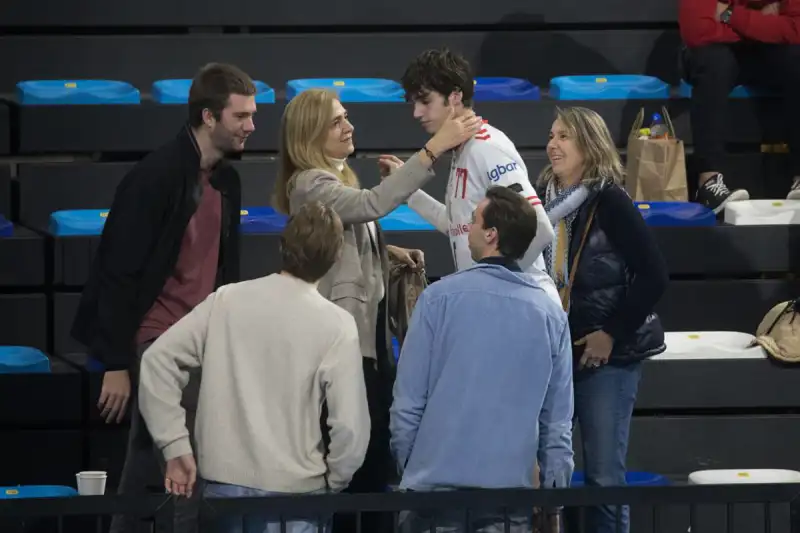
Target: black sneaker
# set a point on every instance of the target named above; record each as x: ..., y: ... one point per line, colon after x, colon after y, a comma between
x: 714, y: 194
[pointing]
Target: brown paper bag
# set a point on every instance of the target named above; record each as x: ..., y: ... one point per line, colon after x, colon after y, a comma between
x: 656, y: 169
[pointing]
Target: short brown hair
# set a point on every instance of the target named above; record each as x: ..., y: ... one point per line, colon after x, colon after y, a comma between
x: 514, y: 219
x: 212, y: 87
x: 442, y: 71
x: 311, y: 242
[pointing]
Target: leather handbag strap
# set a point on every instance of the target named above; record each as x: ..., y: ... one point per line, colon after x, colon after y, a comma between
x: 565, y: 292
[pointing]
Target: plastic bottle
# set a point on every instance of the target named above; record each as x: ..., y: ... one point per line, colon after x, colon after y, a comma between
x: 658, y: 129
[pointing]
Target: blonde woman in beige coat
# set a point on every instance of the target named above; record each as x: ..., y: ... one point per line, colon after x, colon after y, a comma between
x: 316, y: 139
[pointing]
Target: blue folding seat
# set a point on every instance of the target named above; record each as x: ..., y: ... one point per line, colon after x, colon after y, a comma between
x: 76, y: 92
x: 505, y: 89
x: 740, y: 91
x: 23, y: 360
x: 78, y: 222
x: 36, y: 491
x: 6, y: 227
x: 262, y: 220
x: 177, y: 92
x: 403, y: 218
x: 350, y: 89
x: 608, y: 87
x: 639, y: 479
x: 674, y: 214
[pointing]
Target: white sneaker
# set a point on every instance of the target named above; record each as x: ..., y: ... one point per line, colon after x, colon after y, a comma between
x: 794, y: 192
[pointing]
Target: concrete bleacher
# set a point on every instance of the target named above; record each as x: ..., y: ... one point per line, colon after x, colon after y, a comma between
x: 722, y: 278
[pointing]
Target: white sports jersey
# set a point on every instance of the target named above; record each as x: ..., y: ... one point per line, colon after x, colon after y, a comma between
x: 489, y: 158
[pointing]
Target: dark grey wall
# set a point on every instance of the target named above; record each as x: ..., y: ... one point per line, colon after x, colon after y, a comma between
x: 349, y: 12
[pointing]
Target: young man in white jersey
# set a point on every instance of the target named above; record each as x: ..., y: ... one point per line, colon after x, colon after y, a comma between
x: 441, y: 84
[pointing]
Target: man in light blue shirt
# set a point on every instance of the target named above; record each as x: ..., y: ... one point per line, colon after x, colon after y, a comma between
x: 484, y: 382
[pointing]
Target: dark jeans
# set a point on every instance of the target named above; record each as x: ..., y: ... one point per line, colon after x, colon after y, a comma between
x: 604, y: 399
x: 144, y: 467
x: 714, y: 70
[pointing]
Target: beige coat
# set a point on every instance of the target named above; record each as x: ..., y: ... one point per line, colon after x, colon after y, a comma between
x: 358, y: 281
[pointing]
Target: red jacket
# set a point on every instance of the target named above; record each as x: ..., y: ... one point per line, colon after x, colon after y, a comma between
x: 699, y: 24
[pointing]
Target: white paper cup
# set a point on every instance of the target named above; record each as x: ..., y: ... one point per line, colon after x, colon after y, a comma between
x: 91, y: 483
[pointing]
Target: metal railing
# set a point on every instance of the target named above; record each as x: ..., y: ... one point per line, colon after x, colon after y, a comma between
x: 778, y: 503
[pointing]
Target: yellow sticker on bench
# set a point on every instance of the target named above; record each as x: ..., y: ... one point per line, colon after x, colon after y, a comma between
x: 71, y: 85
x: 694, y: 336
x: 339, y: 83
x: 743, y: 474
x: 11, y: 492
x: 104, y: 214
x: 601, y: 80
x: 777, y: 204
x: 644, y: 206
x: 244, y: 212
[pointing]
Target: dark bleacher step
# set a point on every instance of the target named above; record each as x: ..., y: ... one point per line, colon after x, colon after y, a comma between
x: 40, y: 400
x: 698, y: 385
x: 24, y: 320
x: 722, y: 305
x: 722, y: 250
x: 5, y: 129
x: 40, y: 427
x: 379, y: 126
x: 6, y: 192
x: 22, y: 259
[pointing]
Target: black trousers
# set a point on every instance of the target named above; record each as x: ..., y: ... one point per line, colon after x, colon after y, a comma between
x: 714, y: 70
x: 374, y: 474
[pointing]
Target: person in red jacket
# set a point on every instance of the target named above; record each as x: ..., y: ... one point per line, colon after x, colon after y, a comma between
x: 740, y: 42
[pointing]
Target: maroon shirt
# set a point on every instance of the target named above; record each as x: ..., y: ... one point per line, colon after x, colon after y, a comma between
x: 195, y: 271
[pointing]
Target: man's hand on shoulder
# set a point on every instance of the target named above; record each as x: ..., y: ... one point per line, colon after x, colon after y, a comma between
x: 387, y: 164
x: 114, y: 395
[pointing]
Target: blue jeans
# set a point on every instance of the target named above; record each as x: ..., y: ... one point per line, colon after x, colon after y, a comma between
x: 604, y: 399
x: 257, y: 523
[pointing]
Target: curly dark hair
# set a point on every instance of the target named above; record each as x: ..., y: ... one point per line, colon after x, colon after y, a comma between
x: 439, y: 70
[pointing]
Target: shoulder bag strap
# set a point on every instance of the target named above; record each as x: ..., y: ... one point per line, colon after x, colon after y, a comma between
x: 565, y: 292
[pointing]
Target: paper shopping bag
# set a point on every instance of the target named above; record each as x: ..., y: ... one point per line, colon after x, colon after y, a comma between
x: 656, y: 168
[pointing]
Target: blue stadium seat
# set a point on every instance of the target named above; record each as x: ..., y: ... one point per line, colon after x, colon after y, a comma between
x: 740, y: 91
x: 6, y: 227
x: 23, y: 360
x: 350, y: 89
x: 262, y: 220
x: 396, y: 348
x: 639, y: 479
x: 76, y: 92
x: 36, y: 491
x: 676, y: 214
x: 78, y: 222
x: 608, y: 87
x: 405, y: 219
x: 499, y: 89
x: 177, y: 92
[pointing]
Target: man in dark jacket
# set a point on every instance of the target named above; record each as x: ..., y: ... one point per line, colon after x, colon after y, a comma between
x: 170, y: 240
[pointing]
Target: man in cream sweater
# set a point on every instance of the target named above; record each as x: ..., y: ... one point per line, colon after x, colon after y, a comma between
x: 272, y: 352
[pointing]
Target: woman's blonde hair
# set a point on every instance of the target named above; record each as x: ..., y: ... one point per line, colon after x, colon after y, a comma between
x: 601, y: 158
x: 304, y: 129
